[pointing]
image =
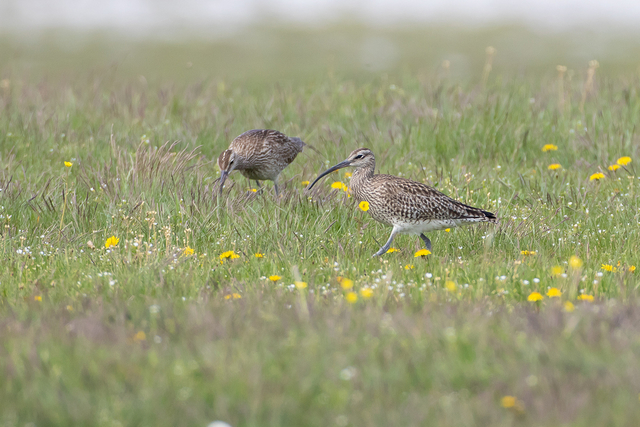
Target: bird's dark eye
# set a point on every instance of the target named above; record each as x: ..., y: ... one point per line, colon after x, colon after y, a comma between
x: 359, y: 156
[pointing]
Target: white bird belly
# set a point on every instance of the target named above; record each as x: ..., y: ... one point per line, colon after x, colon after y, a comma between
x: 420, y: 227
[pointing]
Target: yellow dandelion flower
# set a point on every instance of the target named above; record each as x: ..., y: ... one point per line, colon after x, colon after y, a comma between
x: 422, y: 252
x: 508, y: 402
x: 347, y: 174
x: 585, y: 297
x: 554, y: 166
x: 408, y: 267
x: 345, y: 283
x: 549, y: 147
x: 632, y: 268
x: 68, y: 164
x: 233, y: 296
x: 534, y: 296
x: 300, y: 285
x: 623, y: 161
x: 304, y: 183
x: 366, y: 293
x: 596, y: 176
x: 569, y: 307
x: 450, y: 285
x: 253, y: 190
x: 351, y: 297
x: 575, y: 262
x: 274, y: 278
x: 140, y: 336
x: 526, y: 253
x: 188, y: 251
x: 258, y: 255
x: 447, y: 230
x: 339, y: 186
x: 37, y: 298
x: 69, y: 308
x: 607, y: 267
x: 364, y: 206
x: 554, y: 293
x: 614, y: 167
x: 556, y: 271
x: 392, y: 250
x: 229, y: 255
x: 111, y: 241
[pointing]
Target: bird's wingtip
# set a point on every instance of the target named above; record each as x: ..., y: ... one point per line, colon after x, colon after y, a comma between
x: 490, y: 216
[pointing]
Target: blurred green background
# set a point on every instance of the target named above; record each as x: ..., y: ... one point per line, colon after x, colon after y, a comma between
x: 270, y: 54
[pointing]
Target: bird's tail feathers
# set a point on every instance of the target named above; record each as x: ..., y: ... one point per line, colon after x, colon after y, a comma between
x: 489, y: 216
x: 302, y: 144
x: 480, y: 215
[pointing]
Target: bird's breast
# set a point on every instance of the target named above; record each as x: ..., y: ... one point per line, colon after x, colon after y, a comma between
x: 260, y: 174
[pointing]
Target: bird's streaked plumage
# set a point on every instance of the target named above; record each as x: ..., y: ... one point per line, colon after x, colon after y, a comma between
x: 409, y: 206
x: 259, y: 154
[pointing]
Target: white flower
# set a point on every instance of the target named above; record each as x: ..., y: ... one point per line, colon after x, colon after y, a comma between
x: 348, y: 373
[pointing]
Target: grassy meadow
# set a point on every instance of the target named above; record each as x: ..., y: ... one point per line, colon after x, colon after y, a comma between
x: 131, y: 294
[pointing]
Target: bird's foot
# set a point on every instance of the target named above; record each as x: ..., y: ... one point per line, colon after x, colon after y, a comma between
x: 380, y: 252
x: 385, y: 248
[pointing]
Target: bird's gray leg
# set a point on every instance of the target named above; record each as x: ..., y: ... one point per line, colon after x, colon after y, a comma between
x: 385, y: 248
x: 426, y: 241
x: 275, y: 184
x: 259, y: 187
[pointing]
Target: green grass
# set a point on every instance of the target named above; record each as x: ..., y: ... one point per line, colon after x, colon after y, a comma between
x: 149, y: 333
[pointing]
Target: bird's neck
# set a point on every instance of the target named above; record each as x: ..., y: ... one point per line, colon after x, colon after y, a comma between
x: 241, y: 163
x: 361, y: 175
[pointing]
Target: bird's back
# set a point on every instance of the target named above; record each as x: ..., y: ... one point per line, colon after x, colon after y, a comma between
x: 266, y: 141
x: 267, y: 152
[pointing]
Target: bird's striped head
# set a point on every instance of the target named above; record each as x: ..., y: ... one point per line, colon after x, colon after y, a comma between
x: 361, y: 157
x: 227, y: 163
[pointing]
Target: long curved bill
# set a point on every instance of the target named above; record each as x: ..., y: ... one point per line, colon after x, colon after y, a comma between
x: 223, y: 178
x: 340, y: 165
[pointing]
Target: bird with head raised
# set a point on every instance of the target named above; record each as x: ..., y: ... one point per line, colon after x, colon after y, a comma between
x: 259, y: 154
x: 410, y: 207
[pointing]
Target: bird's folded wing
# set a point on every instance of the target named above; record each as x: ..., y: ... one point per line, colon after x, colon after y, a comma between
x: 418, y: 201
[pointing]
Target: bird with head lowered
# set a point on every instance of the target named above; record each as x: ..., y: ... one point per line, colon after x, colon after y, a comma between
x: 259, y: 154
